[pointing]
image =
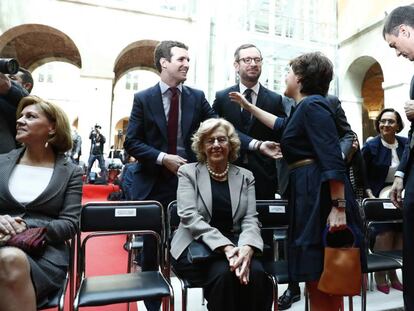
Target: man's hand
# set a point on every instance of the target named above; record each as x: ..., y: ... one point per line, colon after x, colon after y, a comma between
x: 409, y: 109
x: 5, y: 84
x: 354, y: 148
x: 172, y: 162
x: 271, y: 149
x: 396, y: 190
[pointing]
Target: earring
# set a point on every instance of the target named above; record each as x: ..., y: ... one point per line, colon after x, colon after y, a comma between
x: 46, y: 144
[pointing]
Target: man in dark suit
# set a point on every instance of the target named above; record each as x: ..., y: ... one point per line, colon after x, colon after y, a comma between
x: 248, y: 65
x: 12, y: 89
x: 398, y: 31
x: 160, y: 127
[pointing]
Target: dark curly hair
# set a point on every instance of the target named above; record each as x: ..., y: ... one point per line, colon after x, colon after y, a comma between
x: 315, y: 72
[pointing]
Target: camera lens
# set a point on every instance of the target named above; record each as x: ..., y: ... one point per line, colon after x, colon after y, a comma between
x: 9, y: 66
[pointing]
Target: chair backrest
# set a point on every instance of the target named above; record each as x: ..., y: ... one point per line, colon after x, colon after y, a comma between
x: 381, y: 210
x: 173, y: 218
x: 272, y: 213
x: 123, y: 217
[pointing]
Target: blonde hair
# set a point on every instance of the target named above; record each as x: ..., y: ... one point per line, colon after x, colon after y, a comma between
x: 61, y: 139
x: 209, y: 126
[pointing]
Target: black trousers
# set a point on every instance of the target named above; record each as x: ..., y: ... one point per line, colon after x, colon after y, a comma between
x: 222, y: 289
x: 408, y: 242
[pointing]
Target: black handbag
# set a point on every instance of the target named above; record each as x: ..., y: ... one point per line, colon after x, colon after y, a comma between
x: 198, y: 252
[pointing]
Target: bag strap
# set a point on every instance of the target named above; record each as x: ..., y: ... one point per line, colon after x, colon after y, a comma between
x: 348, y: 227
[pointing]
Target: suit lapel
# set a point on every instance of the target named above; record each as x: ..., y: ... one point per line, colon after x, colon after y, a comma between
x: 204, y: 187
x: 234, y: 109
x: 187, y: 111
x: 235, y: 186
x: 156, y: 106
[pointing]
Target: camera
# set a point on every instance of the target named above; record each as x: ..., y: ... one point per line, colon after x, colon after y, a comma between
x: 9, y: 66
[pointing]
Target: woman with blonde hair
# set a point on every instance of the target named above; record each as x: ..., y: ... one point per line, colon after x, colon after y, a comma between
x: 217, y: 206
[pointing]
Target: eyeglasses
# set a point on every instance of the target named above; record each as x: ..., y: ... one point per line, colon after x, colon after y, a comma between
x: 248, y: 60
x: 389, y: 121
x: 221, y: 140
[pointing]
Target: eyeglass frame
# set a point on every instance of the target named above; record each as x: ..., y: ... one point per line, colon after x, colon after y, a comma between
x: 248, y: 60
x: 221, y: 140
x: 387, y: 121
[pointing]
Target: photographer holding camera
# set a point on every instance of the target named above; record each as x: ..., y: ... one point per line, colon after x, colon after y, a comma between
x: 15, y: 84
x: 96, y: 153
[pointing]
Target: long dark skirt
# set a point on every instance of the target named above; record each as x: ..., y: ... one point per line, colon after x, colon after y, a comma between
x: 309, y: 206
x: 222, y: 289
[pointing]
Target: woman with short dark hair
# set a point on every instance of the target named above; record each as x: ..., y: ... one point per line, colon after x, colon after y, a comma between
x: 320, y: 193
x: 382, y: 156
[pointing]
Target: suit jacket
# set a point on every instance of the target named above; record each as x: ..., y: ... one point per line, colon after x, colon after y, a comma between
x: 263, y: 168
x: 57, y: 208
x: 345, y: 133
x: 407, y: 157
x: 377, y: 159
x: 147, y: 132
x: 194, y: 205
x: 8, y: 108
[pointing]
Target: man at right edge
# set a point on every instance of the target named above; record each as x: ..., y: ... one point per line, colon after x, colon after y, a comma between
x: 398, y: 31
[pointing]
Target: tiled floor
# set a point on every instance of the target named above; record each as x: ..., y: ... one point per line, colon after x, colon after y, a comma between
x: 376, y: 301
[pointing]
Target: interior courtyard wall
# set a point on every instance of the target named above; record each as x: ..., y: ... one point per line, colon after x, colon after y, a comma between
x: 397, y: 74
x: 101, y: 34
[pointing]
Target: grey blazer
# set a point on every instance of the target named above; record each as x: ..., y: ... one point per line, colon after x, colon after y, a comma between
x: 57, y: 207
x: 194, y: 203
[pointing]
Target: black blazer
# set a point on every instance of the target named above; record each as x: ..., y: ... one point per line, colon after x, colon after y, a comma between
x: 8, y: 108
x: 147, y: 132
x: 57, y: 207
x: 263, y: 168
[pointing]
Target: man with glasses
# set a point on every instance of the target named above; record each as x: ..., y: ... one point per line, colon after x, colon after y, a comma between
x: 248, y: 65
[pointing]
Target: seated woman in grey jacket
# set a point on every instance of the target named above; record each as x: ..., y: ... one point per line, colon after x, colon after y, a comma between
x: 39, y: 187
x: 217, y: 205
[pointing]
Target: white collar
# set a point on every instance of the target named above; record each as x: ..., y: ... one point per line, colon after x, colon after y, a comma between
x: 164, y: 87
x: 255, y: 88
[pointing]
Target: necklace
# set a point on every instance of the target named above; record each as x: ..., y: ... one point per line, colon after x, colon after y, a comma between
x: 218, y: 175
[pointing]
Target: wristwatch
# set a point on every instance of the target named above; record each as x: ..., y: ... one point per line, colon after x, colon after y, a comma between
x: 338, y: 203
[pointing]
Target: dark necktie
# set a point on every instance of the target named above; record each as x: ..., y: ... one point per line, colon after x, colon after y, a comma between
x: 173, y: 121
x: 245, y: 115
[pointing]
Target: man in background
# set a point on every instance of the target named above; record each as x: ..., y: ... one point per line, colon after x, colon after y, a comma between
x: 12, y: 89
x: 96, y: 153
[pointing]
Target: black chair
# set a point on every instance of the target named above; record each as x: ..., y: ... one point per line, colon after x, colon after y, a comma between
x: 173, y: 222
x: 274, y: 221
x: 380, y: 211
x: 57, y: 299
x: 104, y: 219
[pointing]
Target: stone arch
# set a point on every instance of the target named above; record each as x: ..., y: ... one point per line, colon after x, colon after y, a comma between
x: 362, y: 86
x: 139, y: 54
x: 35, y: 44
